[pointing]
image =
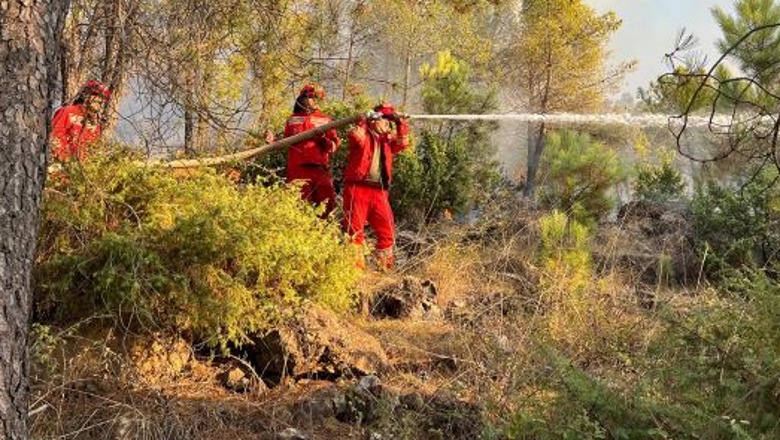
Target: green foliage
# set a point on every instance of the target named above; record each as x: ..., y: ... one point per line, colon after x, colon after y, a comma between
x: 558, y: 56
x: 737, y: 225
x: 557, y: 60
x: 564, y: 242
x: 718, y: 356
x: 578, y: 175
x: 576, y: 405
x: 412, y: 32
x: 584, y: 314
x: 710, y: 370
x: 756, y: 54
x: 658, y: 183
x: 683, y: 90
x: 42, y: 346
x: 198, y: 253
x: 451, y: 165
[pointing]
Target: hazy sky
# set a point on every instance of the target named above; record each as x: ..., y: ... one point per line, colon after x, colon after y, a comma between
x: 649, y: 30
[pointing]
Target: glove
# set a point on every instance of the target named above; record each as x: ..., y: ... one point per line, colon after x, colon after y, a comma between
x: 397, y: 116
x: 402, y: 127
x: 325, y: 144
x: 373, y: 115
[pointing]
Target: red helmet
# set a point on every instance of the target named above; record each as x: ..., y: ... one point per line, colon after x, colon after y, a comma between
x: 385, y: 108
x: 312, y: 91
x: 95, y: 87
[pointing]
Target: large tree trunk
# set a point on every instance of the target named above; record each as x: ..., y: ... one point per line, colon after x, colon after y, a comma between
x: 28, y: 53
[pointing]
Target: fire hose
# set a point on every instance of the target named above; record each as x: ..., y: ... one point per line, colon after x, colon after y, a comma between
x: 264, y: 149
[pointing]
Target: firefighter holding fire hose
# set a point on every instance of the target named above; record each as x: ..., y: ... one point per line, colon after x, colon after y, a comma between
x: 309, y: 160
x: 373, y: 143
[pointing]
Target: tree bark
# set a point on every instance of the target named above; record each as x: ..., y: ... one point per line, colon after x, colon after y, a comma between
x: 29, y: 49
x: 407, y: 76
x: 348, y: 67
x: 121, y: 24
x: 535, y: 149
x: 189, y: 131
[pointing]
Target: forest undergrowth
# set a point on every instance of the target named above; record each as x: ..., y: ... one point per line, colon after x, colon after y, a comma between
x: 145, y: 298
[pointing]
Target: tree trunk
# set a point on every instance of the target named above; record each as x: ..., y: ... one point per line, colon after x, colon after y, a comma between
x: 28, y: 53
x: 348, y: 68
x: 407, y: 76
x: 189, y: 131
x: 116, y: 42
x: 535, y: 148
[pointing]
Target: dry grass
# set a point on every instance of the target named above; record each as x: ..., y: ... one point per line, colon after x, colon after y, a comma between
x: 499, y: 302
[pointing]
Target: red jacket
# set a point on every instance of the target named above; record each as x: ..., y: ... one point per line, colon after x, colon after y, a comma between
x: 71, y: 132
x: 315, y: 151
x: 362, y: 142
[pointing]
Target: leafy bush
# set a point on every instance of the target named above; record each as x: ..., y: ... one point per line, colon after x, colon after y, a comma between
x: 717, y: 358
x: 197, y: 253
x: 708, y: 370
x: 578, y: 174
x: 658, y: 183
x: 572, y: 404
x: 738, y: 226
x: 451, y: 166
x: 583, y: 314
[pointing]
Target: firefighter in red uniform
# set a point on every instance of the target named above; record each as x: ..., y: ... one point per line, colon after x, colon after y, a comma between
x: 309, y: 160
x: 77, y: 125
x: 367, y: 178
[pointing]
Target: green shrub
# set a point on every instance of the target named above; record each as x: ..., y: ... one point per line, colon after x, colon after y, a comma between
x: 198, y: 253
x: 451, y: 165
x: 569, y: 402
x: 710, y: 371
x: 578, y: 174
x: 738, y: 226
x: 589, y: 317
x: 719, y: 356
x: 658, y: 183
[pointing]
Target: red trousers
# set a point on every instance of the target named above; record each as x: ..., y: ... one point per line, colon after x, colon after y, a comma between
x: 368, y: 204
x: 318, y: 186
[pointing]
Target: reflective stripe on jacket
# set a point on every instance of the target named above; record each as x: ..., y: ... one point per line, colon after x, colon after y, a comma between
x: 315, y: 151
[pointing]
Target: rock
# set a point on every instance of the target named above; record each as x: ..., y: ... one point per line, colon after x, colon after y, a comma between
x: 232, y: 378
x: 312, y: 411
x: 453, y: 418
x: 369, y: 384
x: 322, y: 404
x: 411, y: 297
x: 368, y: 400
x: 317, y: 344
x: 290, y: 434
x: 239, y: 378
x: 158, y: 358
x: 413, y: 402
